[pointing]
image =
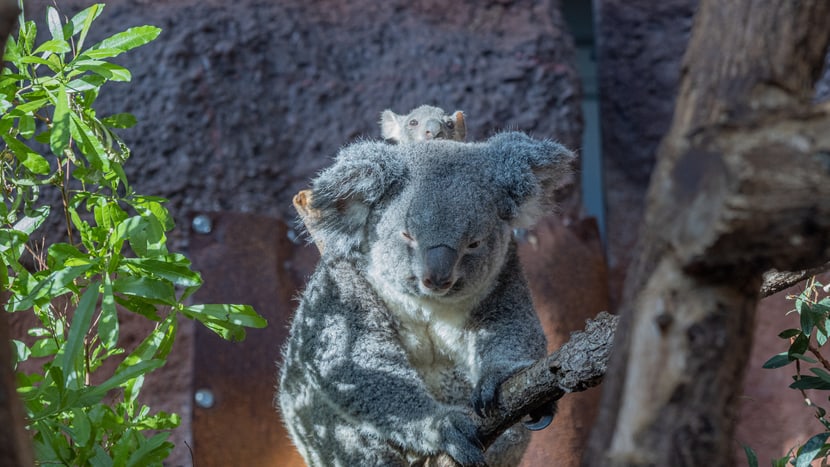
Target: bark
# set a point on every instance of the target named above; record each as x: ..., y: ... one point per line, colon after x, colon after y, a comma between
x: 776, y: 281
x: 742, y: 185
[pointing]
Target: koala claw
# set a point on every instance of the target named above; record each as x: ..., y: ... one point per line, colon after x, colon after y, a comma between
x: 485, y: 396
x: 461, y: 441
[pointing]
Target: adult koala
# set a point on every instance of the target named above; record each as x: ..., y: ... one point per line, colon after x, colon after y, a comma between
x: 418, y: 309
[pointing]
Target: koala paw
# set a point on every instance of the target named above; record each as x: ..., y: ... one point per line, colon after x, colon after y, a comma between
x: 460, y: 439
x: 485, y: 395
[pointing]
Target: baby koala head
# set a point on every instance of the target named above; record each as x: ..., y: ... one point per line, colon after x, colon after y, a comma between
x: 434, y: 221
x: 421, y: 124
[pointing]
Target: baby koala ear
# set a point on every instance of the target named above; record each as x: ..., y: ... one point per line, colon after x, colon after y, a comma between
x: 345, y: 194
x: 529, y: 171
x: 390, y: 125
x: 460, y: 126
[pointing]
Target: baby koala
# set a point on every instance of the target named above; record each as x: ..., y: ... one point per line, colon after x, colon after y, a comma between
x: 423, y: 123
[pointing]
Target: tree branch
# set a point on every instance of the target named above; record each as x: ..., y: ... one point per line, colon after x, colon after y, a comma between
x: 578, y: 365
x: 776, y: 281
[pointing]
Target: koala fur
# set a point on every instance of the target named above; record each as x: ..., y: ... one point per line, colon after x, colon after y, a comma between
x: 423, y: 123
x: 418, y: 309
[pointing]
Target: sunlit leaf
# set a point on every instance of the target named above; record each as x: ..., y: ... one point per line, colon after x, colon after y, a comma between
x: 59, y: 139
x: 73, y: 351
x: 811, y: 449
x: 129, y: 39
x: 29, y: 158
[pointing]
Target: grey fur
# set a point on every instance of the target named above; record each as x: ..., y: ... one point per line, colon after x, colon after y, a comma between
x: 423, y: 123
x: 383, y: 367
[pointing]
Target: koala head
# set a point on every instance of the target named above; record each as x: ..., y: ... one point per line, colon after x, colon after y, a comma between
x: 424, y: 123
x: 434, y: 219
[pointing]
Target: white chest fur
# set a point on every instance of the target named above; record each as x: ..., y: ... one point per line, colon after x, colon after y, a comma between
x: 435, y: 338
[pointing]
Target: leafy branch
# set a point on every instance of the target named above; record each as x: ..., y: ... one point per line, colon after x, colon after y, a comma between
x: 115, y: 259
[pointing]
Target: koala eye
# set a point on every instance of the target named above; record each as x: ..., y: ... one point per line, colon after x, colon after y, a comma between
x: 413, y: 122
x: 406, y: 236
x: 474, y: 245
x: 450, y: 124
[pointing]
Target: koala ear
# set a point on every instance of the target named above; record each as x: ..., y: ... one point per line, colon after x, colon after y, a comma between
x: 345, y: 194
x: 529, y: 171
x: 390, y: 126
x: 460, y: 126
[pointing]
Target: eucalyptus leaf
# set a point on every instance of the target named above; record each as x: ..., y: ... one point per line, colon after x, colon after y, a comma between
x: 811, y: 449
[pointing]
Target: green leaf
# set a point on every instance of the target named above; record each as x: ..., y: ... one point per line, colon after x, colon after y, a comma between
x: 72, y: 357
x: 178, y: 273
x: 139, y: 306
x: 157, y: 345
x: 778, y: 361
x: 86, y: 83
x: 129, y: 39
x: 58, y: 46
x: 53, y: 19
x: 50, y: 286
x: 32, y: 220
x: 751, y: 457
x: 101, y: 458
x: 781, y: 462
x: 806, y: 320
x: 90, y: 144
x: 240, y: 315
x: 821, y: 336
x: 800, y: 344
x: 29, y: 158
x: 21, y: 352
x: 64, y: 254
x: 811, y: 449
x: 45, y: 347
x: 28, y: 33
x: 810, y: 382
x: 32, y: 105
x: 99, y: 54
x: 788, y: 333
x: 154, y: 450
x: 31, y: 59
x: 79, y: 24
x: 821, y: 374
x: 145, y: 234
x: 81, y: 427
x: 26, y: 126
x: 122, y: 120
x: 108, y: 70
x: 130, y: 372
x: 108, y: 320
x: 59, y: 139
x: 228, y: 321
x: 802, y: 357
x: 146, y: 287
x: 153, y: 206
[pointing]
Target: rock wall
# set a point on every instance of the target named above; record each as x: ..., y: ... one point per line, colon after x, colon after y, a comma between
x: 239, y: 104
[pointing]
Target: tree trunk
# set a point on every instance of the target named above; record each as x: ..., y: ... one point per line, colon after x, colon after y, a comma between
x: 742, y: 185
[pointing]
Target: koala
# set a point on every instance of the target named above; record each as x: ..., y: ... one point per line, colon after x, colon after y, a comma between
x: 423, y: 123
x: 418, y: 309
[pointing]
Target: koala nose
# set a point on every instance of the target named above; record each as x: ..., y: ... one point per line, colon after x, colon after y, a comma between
x: 439, y: 264
x: 432, y: 129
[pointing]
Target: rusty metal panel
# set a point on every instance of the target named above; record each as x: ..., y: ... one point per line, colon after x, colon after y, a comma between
x: 247, y: 259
